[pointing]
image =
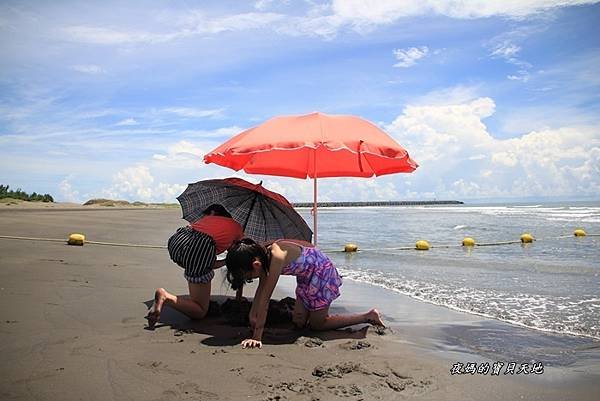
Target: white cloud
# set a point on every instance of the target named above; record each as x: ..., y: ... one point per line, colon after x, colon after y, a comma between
x: 506, y: 159
x: 506, y: 50
x: 219, y: 133
x: 265, y: 4
x: 323, y: 20
x: 134, y: 181
x: 165, y: 175
x: 127, y: 122
x: 194, y: 24
x: 458, y: 157
x: 182, y: 152
x: 89, y: 69
x: 317, y: 23
x: 67, y: 192
x: 387, y: 11
x: 453, y: 145
x: 521, y: 75
x: 137, y: 183
x: 448, y: 96
x: 408, y: 57
x: 108, y: 36
x: 194, y: 113
x: 440, y: 132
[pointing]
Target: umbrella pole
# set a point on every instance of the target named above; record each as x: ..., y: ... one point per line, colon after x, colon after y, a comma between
x: 315, y: 210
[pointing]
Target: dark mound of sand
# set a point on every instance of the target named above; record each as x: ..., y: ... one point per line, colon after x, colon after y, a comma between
x: 236, y: 313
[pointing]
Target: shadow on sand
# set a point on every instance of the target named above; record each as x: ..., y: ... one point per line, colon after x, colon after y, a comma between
x: 227, y: 324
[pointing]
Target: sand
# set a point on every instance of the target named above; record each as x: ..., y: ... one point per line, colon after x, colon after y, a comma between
x: 72, y: 327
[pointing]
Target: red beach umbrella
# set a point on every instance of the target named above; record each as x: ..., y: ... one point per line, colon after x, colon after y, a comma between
x: 314, y: 145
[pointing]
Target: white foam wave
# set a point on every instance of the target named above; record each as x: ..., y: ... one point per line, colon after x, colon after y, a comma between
x: 579, y: 220
x: 549, y: 314
x: 526, y: 210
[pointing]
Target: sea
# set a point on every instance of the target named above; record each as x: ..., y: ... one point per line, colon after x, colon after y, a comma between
x: 550, y: 285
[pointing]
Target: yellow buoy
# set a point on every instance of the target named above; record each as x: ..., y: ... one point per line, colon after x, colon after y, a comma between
x: 468, y: 241
x: 579, y: 233
x: 526, y: 238
x: 76, y: 239
x: 351, y: 248
x: 422, y: 245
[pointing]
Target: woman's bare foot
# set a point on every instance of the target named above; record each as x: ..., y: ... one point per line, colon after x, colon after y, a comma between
x: 154, y: 312
x: 374, y: 318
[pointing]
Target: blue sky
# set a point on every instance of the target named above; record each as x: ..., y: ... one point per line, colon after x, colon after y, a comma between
x: 495, y: 100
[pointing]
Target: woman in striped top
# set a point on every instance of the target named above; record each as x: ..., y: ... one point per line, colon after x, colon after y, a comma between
x: 195, y: 249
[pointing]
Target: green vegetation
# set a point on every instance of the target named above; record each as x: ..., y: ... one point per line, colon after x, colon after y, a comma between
x: 6, y: 192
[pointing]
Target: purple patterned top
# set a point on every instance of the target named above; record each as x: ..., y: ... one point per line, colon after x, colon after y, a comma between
x: 318, y: 281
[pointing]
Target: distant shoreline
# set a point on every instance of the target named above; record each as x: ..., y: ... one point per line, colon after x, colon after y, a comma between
x: 108, y: 204
x: 380, y: 203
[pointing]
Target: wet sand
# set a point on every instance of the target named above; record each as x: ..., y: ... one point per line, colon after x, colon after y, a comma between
x: 72, y: 327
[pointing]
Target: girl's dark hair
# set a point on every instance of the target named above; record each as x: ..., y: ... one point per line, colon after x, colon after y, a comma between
x: 240, y: 257
x: 218, y: 209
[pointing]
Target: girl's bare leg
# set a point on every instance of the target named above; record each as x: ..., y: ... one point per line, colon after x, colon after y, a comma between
x: 195, y: 305
x: 320, y: 320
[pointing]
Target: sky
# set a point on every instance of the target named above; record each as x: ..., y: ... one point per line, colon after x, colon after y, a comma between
x: 121, y: 100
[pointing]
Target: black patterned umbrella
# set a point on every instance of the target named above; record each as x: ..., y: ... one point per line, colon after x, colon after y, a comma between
x: 264, y: 215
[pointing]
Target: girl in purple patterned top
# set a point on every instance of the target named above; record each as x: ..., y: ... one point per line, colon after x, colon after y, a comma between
x: 317, y: 280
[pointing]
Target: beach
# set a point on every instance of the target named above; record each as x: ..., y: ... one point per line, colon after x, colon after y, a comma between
x: 72, y: 327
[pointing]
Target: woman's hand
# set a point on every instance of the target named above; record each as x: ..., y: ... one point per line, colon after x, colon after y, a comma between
x: 251, y: 343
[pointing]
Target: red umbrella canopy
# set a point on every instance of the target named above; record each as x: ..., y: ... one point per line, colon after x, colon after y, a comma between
x: 314, y: 145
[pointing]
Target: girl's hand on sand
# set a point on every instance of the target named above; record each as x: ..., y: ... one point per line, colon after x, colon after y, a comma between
x: 250, y: 343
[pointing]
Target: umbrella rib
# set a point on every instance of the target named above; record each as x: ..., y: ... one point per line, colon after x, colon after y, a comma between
x: 370, y: 166
x: 250, y: 210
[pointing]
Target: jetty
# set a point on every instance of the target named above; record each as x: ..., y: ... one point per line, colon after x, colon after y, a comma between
x: 379, y: 203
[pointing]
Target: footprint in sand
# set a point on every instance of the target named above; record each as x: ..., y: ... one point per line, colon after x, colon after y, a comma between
x: 188, y: 391
x: 159, y: 367
x: 345, y: 391
x: 310, y: 342
x: 379, y: 330
x: 238, y: 370
x: 355, y: 345
x: 382, y: 378
x: 299, y: 387
x: 338, y: 370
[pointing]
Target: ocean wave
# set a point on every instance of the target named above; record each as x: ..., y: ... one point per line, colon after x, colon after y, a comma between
x: 544, y: 313
x: 533, y: 210
x: 591, y: 219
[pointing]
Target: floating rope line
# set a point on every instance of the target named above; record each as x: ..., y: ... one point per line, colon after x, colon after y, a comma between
x: 33, y: 239
x: 127, y: 245
x: 87, y: 242
x: 354, y: 247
